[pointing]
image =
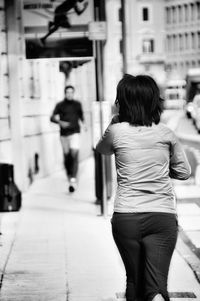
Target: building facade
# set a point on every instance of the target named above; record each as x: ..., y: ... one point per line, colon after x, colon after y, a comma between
x: 145, y: 38
x: 162, y: 39
x: 182, y: 31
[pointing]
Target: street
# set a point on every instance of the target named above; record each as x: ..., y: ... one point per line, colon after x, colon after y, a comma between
x: 184, y: 126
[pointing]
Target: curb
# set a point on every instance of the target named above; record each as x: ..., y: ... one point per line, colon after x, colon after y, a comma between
x: 186, y: 250
x: 184, y: 246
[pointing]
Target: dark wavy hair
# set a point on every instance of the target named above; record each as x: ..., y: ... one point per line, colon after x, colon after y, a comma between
x: 139, y: 101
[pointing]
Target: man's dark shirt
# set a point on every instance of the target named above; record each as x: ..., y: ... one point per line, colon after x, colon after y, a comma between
x: 70, y: 111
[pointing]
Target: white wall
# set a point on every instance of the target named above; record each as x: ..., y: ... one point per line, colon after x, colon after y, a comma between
x: 5, y: 142
x: 39, y: 87
x: 112, y: 56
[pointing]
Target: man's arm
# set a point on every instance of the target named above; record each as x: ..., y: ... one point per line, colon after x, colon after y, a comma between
x: 55, y: 118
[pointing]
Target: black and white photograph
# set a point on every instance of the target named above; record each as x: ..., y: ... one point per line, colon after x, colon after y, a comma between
x: 99, y: 150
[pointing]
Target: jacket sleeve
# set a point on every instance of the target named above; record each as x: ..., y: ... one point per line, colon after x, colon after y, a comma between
x: 179, y: 167
x: 105, y: 144
x: 80, y: 112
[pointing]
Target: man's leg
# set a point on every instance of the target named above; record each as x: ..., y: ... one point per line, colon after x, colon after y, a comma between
x: 74, y: 160
x: 74, y: 152
x: 52, y: 29
x: 67, y: 155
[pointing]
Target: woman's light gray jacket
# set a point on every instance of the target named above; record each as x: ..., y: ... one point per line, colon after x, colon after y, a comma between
x: 146, y: 159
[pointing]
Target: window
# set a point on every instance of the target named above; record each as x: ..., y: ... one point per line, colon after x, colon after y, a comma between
x: 192, y: 16
x: 168, y: 67
x: 186, y: 41
x: 175, y: 39
x: 148, y: 46
x: 180, y: 42
x: 186, y: 12
x: 182, y: 66
x: 187, y: 64
x: 180, y: 17
x: 167, y: 15
x: 198, y: 39
x: 167, y: 44
x: 170, y: 43
x: 193, y: 40
x: 173, y: 15
x: 193, y: 64
x: 145, y: 14
x: 198, y: 10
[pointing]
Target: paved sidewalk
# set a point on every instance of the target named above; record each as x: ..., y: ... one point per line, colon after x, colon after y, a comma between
x: 58, y: 248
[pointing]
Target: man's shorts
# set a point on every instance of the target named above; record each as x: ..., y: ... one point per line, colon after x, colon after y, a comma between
x: 70, y: 142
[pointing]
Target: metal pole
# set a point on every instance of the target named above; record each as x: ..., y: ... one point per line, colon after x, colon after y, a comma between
x: 100, y: 85
x: 124, y: 39
x: 13, y: 9
x: 99, y: 6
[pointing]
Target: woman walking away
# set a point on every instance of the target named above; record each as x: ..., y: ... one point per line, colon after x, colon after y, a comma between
x: 147, y: 154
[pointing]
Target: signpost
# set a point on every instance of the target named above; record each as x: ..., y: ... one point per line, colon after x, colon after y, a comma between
x: 97, y: 31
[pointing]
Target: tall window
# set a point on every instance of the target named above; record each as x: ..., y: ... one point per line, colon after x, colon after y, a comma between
x: 186, y: 12
x: 192, y: 16
x: 175, y: 39
x: 170, y: 43
x: 193, y: 40
x: 173, y: 14
x: 145, y: 14
x: 180, y: 17
x: 198, y: 39
x: 180, y: 42
x: 198, y: 10
x: 167, y: 44
x: 186, y: 41
x: 148, y: 46
x: 167, y: 15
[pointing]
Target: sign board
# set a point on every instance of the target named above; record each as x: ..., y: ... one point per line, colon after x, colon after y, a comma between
x: 60, y: 48
x: 97, y: 30
x: 57, y: 28
x: 96, y: 121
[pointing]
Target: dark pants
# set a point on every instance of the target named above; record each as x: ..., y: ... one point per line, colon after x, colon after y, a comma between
x: 70, y: 145
x: 71, y: 163
x: 146, y: 242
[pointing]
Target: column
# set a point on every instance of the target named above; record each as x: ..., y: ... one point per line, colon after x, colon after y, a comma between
x: 15, y: 46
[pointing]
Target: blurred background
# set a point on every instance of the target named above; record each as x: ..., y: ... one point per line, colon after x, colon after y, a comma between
x: 110, y: 38
x: 99, y: 41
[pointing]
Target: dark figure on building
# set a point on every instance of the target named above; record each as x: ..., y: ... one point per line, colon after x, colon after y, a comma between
x: 61, y: 15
